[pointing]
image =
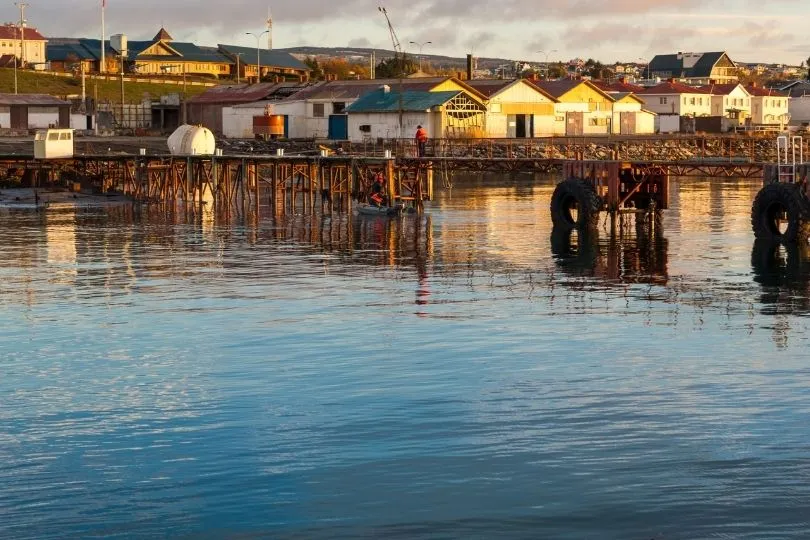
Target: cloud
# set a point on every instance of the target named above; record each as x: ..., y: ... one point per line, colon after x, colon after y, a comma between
x: 359, y: 43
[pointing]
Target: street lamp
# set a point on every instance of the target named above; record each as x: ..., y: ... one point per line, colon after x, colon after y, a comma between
x: 648, y: 66
x: 258, y: 58
x: 420, y: 45
x: 237, y: 66
x: 545, y: 53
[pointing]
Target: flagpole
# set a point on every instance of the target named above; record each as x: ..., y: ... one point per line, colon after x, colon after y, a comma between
x: 103, y: 67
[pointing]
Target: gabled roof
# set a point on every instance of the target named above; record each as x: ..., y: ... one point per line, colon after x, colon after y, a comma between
x: 354, y: 89
x: 63, y: 52
x: 268, y: 58
x: 618, y: 96
x: 189, y: 52
x: 31, y: 99
x: 764, y: 92
x: 560, y: 87
x: 491, y: 87
x: 409, y: 101
x: 162, y: 35
x: 798, y: 89
x: 721, y: 89
x: 12, y: 31
x: 670, y: 88
x: 618, y: 86
x: 673, y: 63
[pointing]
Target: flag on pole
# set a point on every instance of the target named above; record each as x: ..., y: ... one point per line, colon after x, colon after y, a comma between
x: 103, y: 3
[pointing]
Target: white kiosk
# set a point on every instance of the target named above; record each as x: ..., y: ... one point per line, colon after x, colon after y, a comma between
x: 53, y: 144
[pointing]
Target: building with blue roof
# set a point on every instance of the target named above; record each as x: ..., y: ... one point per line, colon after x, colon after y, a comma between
x: 389, y: 114
x: 163, y: 55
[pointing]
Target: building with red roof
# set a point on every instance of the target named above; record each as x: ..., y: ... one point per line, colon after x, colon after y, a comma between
x: 12, y: 38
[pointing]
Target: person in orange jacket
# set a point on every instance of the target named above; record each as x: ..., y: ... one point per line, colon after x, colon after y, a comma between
x: 377, y: 197
x: 421, y: 141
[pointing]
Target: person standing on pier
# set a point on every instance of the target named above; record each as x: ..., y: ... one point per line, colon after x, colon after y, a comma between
x: 421, y: 141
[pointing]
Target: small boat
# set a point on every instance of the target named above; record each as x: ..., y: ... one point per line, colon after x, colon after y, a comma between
x: 372, y: 210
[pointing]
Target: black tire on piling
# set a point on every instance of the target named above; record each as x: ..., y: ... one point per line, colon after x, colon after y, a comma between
x: 575, y: 193
x: 774, y: 200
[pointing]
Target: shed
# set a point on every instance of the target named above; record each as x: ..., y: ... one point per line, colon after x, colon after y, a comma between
x: 445, y: 114
x: 206, y: 109
x: 32, y: 111
x: 516, y: 108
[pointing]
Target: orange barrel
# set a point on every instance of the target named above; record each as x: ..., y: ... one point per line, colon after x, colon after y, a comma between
x: 277, y: 125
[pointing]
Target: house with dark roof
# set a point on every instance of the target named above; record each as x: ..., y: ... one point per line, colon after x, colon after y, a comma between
x: 163, y: 55
x: 273, y: 64
x: 694, y: 68
x: 799, y: 106
x: 516, y: 108
x: 11, y: 39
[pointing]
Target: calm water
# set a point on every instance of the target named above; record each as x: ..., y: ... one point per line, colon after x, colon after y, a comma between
x: 465, y: 374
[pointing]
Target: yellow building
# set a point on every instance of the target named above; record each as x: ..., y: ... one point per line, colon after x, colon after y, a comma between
x: 581, y: 109
x: 163, y: 55
x: 12, y: 39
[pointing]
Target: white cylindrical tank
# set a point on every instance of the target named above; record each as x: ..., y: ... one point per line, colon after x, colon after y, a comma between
x: 190, y: 140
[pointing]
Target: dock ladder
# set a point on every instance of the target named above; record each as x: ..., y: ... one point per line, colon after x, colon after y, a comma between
x: 786, y: 157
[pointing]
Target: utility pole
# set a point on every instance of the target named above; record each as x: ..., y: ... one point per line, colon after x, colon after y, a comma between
x: 237, y: 67
x: 103, y: 67
x: 22, y: 6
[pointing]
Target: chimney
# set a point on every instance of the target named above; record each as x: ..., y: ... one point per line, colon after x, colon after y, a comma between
x: 469, y: 67
x: 533, y: 77
x: 459, y: 75
x: 753, y: 84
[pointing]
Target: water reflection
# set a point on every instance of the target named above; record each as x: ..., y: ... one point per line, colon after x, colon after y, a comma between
x: 620, y: 256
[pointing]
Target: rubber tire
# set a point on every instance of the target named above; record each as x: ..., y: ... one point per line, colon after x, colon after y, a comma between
x: 791, y: 198
x: 580, y: 260
x: 589, y: 203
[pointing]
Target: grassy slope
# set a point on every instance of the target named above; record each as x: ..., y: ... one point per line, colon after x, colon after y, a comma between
x: 107, y: 90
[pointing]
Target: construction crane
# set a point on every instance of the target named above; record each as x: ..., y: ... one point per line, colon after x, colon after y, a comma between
x: 399, y: 62
x: 394, y: 39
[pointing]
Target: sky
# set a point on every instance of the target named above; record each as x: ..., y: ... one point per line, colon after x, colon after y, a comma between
x: 531, y: 30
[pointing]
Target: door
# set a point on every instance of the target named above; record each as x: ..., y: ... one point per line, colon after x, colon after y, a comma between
x: 64, y: 117
x: 520, y: 127
x: 286, y: 126
x: 338, y: 127
x: 511, y: 126
x: 19, y: 117
x: 574, y: 124
x: 628, y: 123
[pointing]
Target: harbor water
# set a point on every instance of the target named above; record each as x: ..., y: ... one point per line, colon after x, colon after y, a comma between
x: 469, y: 373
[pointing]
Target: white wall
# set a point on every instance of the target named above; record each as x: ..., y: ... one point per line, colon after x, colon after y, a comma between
x: 645, y: 123
x: 78, y: 121
x: 237, y: 122
x: 5, y: 120
x: 679, y: 104
x: 799, y: 110
x: 667, y: 123
x: 386, y: 125
x: 303, y: 124
x: 42, y: 119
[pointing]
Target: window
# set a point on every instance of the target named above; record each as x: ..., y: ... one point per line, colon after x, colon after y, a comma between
x: 700, y: 101
x: 693, y: 101
x: 317, y: 110
x: 684, y: 100
x: 663, y: 101
x: 559, y: 118
x: 53, y: 136
x: 495, y: 107
x: 64, y: 136
x: 338, y: 107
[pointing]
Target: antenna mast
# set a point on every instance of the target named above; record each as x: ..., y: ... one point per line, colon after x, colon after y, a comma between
x: 269, y: 30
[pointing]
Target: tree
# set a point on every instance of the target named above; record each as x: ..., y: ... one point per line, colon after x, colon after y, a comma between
x: 399, y: 66
x: 557, y: 71
x: 316, y: 73
x: 808, y: 69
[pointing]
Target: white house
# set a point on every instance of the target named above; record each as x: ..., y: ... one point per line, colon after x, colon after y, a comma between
x: 730, y: 100
x: 11, y: 43
x: 671, y: 101
x: 516, y: 108
x: 769, y: 107
x: 445, y: 114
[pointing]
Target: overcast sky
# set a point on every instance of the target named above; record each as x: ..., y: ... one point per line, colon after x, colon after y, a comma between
x: 607, y: 30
